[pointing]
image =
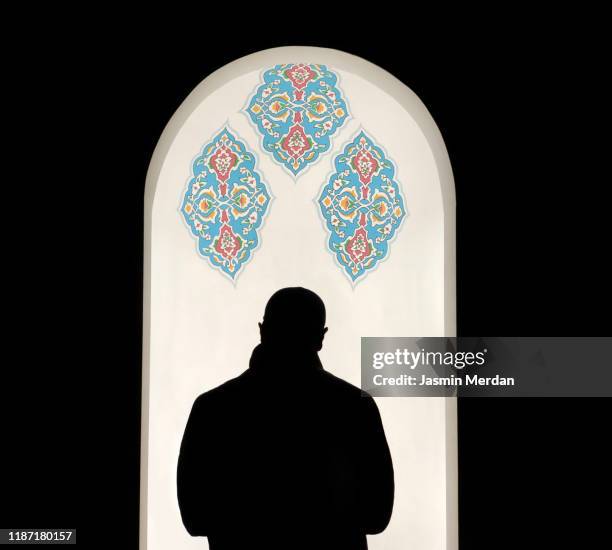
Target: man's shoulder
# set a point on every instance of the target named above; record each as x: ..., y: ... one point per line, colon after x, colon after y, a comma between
x: 221, y: 393
x: 342, y: 387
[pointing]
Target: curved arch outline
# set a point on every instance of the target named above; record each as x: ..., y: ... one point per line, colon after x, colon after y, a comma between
x: 413, y: 105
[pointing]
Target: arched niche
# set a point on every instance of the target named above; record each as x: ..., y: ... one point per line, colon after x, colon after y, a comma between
x: 200, y: 324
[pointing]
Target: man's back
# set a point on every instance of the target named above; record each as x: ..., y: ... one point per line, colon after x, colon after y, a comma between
x: 285, y: 456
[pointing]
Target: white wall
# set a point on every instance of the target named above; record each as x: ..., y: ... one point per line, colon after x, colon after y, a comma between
x: 203, y: 327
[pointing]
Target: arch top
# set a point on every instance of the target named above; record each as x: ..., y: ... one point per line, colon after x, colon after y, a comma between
x: 337, y: 59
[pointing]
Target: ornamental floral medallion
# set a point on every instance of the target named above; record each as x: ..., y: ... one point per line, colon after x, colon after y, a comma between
x: 362, y: 205
x: 225, y: 203
x: 297, y: 109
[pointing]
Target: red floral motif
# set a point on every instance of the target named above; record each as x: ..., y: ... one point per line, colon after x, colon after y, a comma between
x: 228, y: 243
x: 358, y: 247
x: 300, y: 75
x: 365, y: 165
x: 225, y: 203
x: 297, y: 142
x: 222, y: 163
x: 362, y: 206
x: 294, y: 94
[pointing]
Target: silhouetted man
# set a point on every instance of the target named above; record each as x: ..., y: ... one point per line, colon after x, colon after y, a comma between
x: 286, y: 455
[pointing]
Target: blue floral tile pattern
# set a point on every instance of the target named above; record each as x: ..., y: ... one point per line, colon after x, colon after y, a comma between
x: 225, y: 203
x: 362, y: 206
x: 297, y: 110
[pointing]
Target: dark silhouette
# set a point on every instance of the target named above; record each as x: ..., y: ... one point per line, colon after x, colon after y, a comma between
x: 286, y: 455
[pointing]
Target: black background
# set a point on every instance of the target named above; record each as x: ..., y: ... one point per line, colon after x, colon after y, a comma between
x: 517, y: 111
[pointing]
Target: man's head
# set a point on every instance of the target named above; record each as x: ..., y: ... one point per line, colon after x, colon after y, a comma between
x: 294, y: 318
